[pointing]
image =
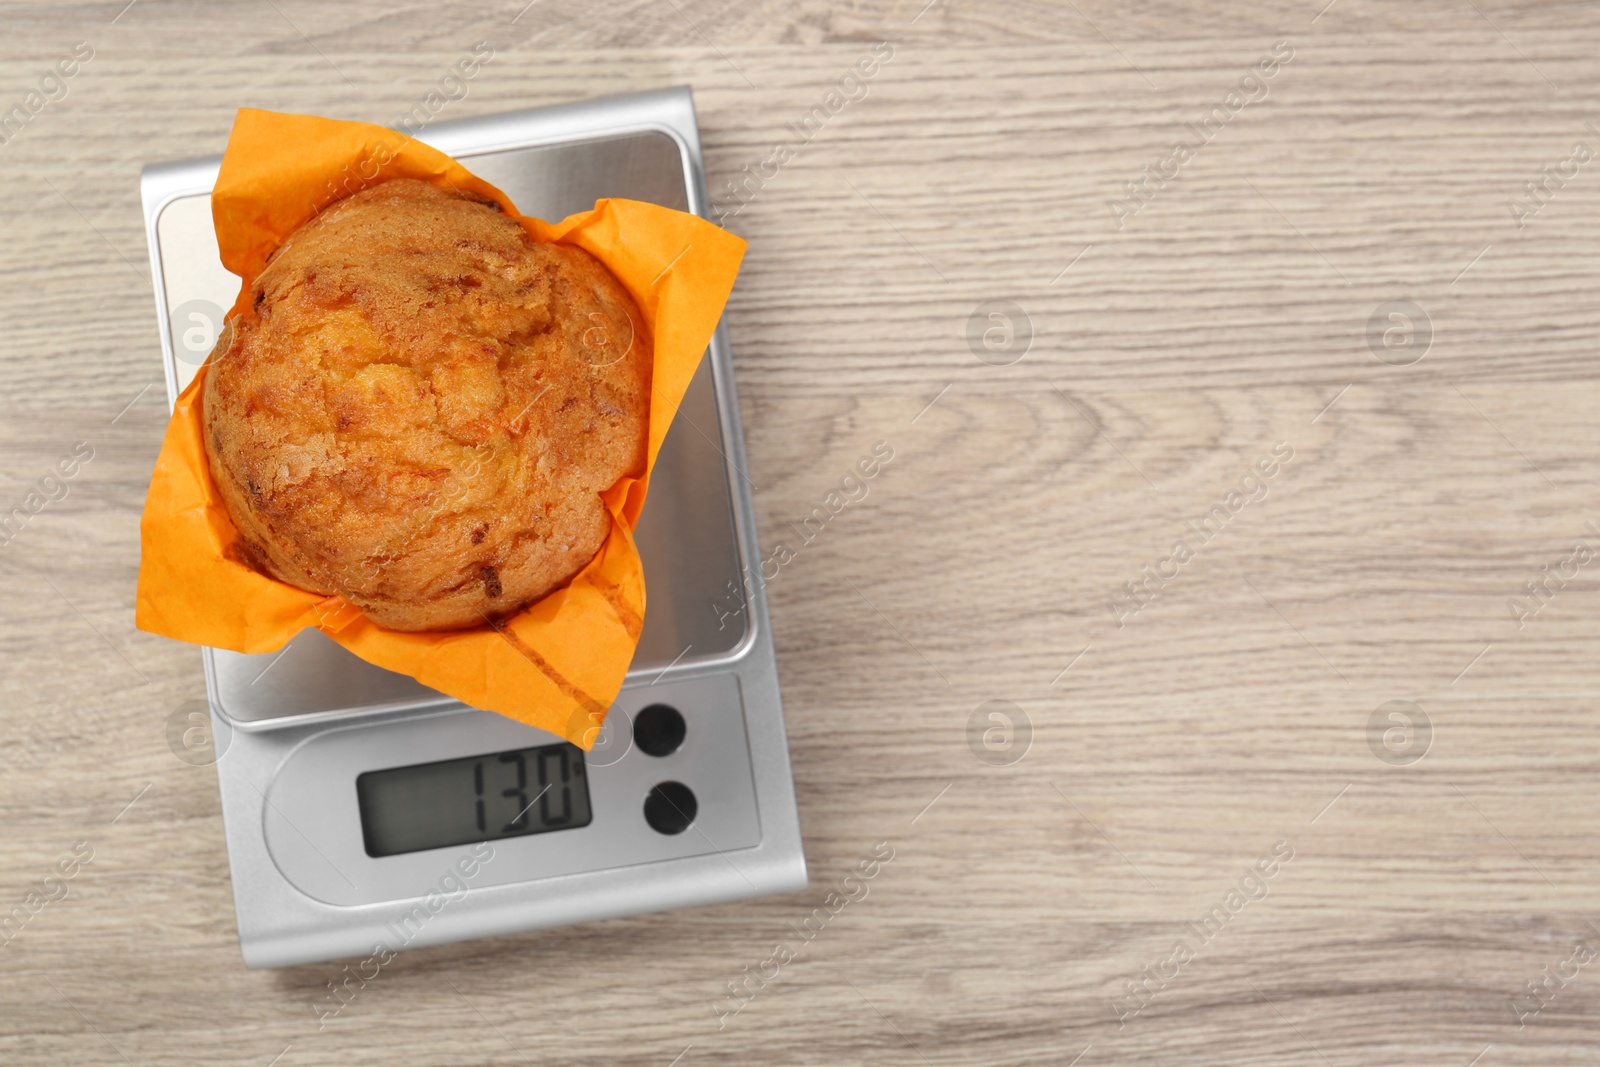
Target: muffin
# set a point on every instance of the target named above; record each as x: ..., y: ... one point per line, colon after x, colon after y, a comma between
x: 421, y: 406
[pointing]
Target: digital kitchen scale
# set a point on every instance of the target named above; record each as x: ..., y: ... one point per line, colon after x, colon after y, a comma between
x: 365, y: 812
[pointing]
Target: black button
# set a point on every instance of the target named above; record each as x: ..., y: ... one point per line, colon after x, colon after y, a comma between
x: 658, y: 730
x: 670, y: 807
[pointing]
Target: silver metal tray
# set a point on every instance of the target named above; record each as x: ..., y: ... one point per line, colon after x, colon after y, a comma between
x: 689, y: 532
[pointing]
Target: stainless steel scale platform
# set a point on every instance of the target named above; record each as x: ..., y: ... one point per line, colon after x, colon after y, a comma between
x: 302, y: 726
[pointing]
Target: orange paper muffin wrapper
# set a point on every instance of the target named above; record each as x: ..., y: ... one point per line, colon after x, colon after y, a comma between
x: 559, y: 663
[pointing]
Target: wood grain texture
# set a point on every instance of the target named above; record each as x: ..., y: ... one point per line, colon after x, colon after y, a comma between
x: 1229, y: 314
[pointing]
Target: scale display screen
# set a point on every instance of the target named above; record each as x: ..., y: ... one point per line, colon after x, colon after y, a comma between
x: 478, y: 798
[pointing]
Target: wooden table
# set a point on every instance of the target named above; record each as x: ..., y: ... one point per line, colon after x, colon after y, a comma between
x: 1167, y: 745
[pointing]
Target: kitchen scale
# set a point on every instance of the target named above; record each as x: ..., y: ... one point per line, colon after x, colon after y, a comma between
x: 366, y: 813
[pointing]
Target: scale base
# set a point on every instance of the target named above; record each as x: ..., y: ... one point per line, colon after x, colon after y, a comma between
x: 304, y: 723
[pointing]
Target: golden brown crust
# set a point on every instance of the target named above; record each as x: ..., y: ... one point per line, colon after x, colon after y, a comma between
x: 421, y: 408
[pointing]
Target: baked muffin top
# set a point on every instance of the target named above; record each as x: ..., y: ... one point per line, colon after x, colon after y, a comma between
x: 421, y: 407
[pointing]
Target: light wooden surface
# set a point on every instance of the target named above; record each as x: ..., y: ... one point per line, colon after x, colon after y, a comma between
x: 1230, y: 714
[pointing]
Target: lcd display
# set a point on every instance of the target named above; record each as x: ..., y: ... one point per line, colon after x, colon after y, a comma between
x: 479, y: 798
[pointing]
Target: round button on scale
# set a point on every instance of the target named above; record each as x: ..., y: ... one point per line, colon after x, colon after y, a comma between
x: 670, y: 808
x: 658, y: 730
